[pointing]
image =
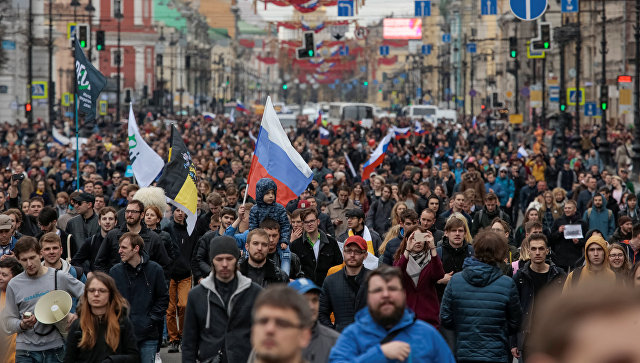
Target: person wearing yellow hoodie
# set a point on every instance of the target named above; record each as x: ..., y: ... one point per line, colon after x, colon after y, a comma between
x: 596, y: 264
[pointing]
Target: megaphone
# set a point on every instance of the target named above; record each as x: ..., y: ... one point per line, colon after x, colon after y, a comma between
x: 53, y: 308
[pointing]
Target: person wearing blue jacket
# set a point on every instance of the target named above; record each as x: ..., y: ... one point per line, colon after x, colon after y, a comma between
x: 599, y: 217
x: 387, y: 331
x: 481, y: 304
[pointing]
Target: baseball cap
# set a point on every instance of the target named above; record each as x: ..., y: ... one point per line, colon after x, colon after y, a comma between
x: 328, y: 176
x: 302, y: 204
x: 5, y: 222
x: 84, y: 197
x: 355, y: 212
x: 359, y: 241
x: 304, y: 285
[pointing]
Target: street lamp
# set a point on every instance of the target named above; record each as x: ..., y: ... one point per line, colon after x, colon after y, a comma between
x: 118, y: 15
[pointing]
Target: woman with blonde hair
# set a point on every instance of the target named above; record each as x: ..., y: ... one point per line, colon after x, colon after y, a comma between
x: 549, y: 210
x: 559, y: 196
x: 397, y: 209
x: 103, y: 331
x: 391, y: 234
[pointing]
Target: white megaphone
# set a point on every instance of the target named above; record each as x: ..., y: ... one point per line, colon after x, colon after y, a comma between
x: 53, y: 308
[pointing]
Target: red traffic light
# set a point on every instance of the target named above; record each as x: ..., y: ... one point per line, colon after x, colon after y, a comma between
x: 27, y: 107
x: 482, y: 107
x: 624, y: 79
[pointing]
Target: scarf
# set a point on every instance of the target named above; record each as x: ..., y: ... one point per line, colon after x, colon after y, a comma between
x: 366, y: 235
x: 417, y: 262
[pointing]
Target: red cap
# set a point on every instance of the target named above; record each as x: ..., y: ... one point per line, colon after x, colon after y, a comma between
x: 302, y: 204
x: 328, y: 176
x: 357, y: 240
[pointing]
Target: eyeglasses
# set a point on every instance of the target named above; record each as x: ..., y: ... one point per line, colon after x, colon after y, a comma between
x: 99, y: 291
x: 310, y: 222
x: 132, y: 211
x: 354, y: 252
x: 620, y: 255
x: 280, y: 323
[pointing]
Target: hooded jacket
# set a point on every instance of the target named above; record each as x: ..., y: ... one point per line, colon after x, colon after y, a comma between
x: 360, y: 341
x: 379, y: 215
x: 481, y: 305
x: 586, y: 274
x: 209, y: 326
x: 601, y: 218
x: 275, y: 211
x: 145, y: 289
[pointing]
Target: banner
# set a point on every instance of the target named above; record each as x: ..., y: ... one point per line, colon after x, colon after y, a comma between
x: 145, y: 163
x: 89, y: 84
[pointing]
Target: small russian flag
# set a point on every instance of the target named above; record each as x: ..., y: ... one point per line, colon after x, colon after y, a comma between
x: 401, y: 133
x: 418, y: 130
x: 208, y: 116
x: 324, y: 136
x: 240, y: 107
x: 474, y: 123
x: 319, y: 119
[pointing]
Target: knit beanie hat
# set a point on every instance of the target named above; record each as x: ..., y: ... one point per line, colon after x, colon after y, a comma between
x: 223, y: 244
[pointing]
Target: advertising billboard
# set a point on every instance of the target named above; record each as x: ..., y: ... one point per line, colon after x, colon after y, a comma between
x: 394, y: 28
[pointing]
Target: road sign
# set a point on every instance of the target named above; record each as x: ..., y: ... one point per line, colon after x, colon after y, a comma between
x: 102, y: 107
x: 571, y: 97
x: 361, y: 32
x: 590, y: 109
x: 67, y: 99
x: 515, y: 118
x: 419, y: 92
x: 508, y: 94
x: 554, y: 94
x: 533, y: 54
x: 426, y: 49
x: 344, y: 50
x: 446, y: 38
x: 489, y: 7
x: 528, y: 9
x: 422, y: 8
x: 8, y: 45
x: 338, y: 31
x: 384, y: 50
x: 345, y: 8
x: 570, y: 6
x: 473, y: 93
x: 39, y: 89
x: 472, y: 48
x: 71, y: 30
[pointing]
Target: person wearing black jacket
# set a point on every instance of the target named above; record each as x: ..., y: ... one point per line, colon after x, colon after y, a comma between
x: 318, y: 252
x: 566, y: 252
x: 141, y: 281
x: 86, y: 256
x: 256, y: 266
x: 85, y: 224
x: 108, y: 256
x: 273, y: 231
x: 179, y: 277
x: 379, y: 214
x: 217, y: 322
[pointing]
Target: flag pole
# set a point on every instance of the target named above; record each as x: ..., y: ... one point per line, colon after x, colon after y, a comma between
x: 246, y: 189
x: 75, y: 106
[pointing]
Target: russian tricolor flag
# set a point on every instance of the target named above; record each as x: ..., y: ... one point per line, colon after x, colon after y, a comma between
x: 275, y: 158
x: 324, y: 136
x: 377, y: 157
x: 418, y: 130
x: 319, y: 119
x: 240, y: 107
x: 208, y: 116
x: 401, y: 133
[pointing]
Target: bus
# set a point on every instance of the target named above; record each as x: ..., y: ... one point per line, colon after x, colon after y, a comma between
x: 340, y: 111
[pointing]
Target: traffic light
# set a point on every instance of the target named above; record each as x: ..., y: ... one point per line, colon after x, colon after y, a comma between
x: 83, y: 35
x: 100, y: 40
x: 563, y: 107
x: 482, y: 107
x: 27, y: 109
x: 308, y: 49
x: 543, y: 41
x: 513, y: 47
x: 285, y: 86
x: 365, y: 83
x: 604, y: 97
x: 187, y: 62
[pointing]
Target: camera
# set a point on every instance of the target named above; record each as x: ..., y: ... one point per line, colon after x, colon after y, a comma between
x: 18, y: 177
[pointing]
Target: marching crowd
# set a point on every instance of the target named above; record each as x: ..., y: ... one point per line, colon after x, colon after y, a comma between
x: 440, y: 255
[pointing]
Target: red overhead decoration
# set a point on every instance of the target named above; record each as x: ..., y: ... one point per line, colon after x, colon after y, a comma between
x: 387, y: 61
x: 247, y: 43
x: 267, y: 60
x: 396, y: 43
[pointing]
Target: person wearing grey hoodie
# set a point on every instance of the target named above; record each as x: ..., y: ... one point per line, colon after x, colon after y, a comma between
x: 217, y: 322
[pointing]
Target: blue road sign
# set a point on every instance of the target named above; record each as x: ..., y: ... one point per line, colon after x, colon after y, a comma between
x: 528, y: 9
x: 423, y: 8
x: 446, y: 38
x: 344, y: 50
x: 570, y: 6
x: 554, y: 94
x: 345, y: 7
x: 419, y: 92
x: 384, y: 50
x: 489, y: 7
x: 472, y: 48
x: 591, y: 109
x: 573, y: 99
x: 38, y: 90
x: 8, y: 45
x: 426, y: 49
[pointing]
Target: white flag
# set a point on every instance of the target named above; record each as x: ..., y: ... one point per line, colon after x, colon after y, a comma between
x: 145, y: 162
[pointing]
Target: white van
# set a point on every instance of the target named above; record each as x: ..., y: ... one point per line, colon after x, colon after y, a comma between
x: 426, y: 112
x: 448, y: 116
x: 340, y: 111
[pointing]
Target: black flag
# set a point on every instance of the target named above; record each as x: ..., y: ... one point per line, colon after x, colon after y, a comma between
x: 89, y: 84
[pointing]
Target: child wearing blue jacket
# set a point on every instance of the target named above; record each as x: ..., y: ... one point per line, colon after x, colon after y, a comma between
x: 266, y: 207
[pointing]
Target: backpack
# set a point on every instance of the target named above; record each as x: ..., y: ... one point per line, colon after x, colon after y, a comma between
x: 609, y: 213
x: 501, y: 214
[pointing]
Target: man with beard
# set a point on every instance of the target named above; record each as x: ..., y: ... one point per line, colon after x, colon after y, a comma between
x: 452, y: 252
x: 387, y: 328
x: 488, y: 213
x: 108, y: 254
x: 85, y: 224
x: 273, y: 231
x: 256, y: 265
x: 344, y: 292
x: 624, y: 232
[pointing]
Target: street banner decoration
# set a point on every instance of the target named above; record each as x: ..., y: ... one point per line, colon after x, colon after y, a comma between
x: 179, y: 179
x: 145, y: 162
x: 274, y: 157
x: 90, y: 83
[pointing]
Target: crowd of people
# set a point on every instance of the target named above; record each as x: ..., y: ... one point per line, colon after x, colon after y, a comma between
x: 440, y: 255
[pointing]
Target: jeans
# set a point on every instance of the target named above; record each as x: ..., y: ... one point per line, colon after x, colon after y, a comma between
x: 178, y: 292
x: 55, y: 355
x: 285, y: 259
x: 148, y: 350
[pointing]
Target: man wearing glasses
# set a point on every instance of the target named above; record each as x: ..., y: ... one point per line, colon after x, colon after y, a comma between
x: 344, y: 292
x: 108, y: 254
x: 318, y: 252
x: 85, y: 224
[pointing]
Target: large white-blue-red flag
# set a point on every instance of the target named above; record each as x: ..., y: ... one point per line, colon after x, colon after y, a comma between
x: 377, y: 157
x: 274, y: 157
x: 401, y: 132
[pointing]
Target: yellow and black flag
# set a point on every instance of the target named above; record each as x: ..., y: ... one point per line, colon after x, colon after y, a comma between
x: 179, y: 179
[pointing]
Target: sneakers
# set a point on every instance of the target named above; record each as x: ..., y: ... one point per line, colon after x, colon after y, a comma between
x: 175, y: 346
x: 158, y: 359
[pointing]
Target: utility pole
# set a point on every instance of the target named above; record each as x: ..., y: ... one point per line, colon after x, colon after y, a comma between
x: 543, y: 111
x: 52, y: 87
x: 30, y: 62
x: 576, y: 140
x: 119, y: 17
x: 471, y: 84
x: 515, y: 73
x: 604, y: 93
x: 636, y: 91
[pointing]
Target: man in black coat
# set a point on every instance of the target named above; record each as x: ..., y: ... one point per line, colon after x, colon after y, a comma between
x: 317, y: 251
x: 142, y: 283
x: 566, y: 252
x: 85, y: 224
x: 108, y: 254
x: 345, y: 292
x: 217, y: 323
x: 86, y: 256
x: 256, y: 265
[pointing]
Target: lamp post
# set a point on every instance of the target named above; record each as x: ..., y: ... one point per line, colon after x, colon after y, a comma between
x: 118, y: 15
x: 604, y: 144
x: 160, y: 57
x: 636, y: 119
x: 90, y: 9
